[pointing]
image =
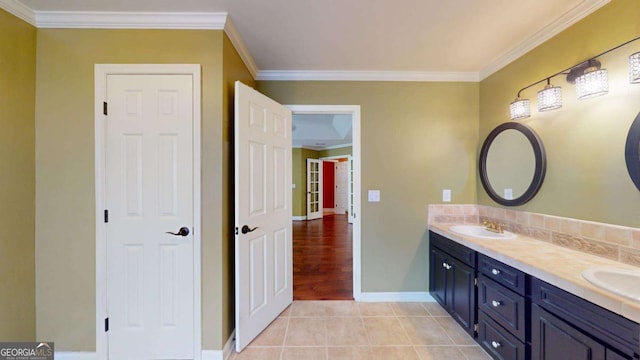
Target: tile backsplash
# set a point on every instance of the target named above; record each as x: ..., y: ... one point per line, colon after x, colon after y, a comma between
x: 614, y: 242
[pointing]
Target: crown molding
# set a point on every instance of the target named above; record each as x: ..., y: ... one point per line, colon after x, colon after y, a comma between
x: 129, y: 20
x: 235, y: 38
x: 314, y: 75
x: 571, y: 17
x: 19, y: 10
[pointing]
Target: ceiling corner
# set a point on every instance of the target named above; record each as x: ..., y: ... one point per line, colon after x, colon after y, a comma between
x: 569, y: 18
x: 20, y: 10
x: 233, y: 34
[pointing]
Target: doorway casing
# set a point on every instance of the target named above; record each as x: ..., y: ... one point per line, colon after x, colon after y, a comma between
x: 354, y: 111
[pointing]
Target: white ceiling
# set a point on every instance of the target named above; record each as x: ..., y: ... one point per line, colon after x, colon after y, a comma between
x: 322, y: 131
x: 373, y: 39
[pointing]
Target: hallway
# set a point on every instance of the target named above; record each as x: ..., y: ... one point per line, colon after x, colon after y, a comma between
x: 322, y: 259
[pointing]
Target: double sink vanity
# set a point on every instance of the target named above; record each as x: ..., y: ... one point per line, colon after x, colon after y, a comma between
x: 523, y: 298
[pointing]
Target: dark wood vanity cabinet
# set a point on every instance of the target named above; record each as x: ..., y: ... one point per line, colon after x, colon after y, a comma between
x: 452, y: 280
x: 565, y: 326
x: 519, y: 317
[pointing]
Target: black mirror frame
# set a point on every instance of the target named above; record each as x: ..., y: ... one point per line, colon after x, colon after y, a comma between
x: 631, y: 151
x: 538, y: 175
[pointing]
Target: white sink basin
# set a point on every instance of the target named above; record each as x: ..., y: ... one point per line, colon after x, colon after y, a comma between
x: 480, y: 232
x: 618, y: 281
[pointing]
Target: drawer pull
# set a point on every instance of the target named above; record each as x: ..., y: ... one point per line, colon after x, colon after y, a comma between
x: 495, y: 272
x: 496, y: 303
x: 495, y: 344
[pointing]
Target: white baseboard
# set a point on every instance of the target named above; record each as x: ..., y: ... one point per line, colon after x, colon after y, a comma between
x: 299, y: 218
x: 230, y: 346
x: 211, y: 355
x: 223, y: 354
x: 75, y: 355
x: 404, y: 296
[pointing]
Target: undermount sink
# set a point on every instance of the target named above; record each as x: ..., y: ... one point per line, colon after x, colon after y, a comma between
x: 618, y: 281
x: 481, y: 232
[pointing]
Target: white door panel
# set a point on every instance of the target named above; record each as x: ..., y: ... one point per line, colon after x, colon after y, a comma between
x: 264, y: 273
x: 149, y: 191
x: 342, y: 187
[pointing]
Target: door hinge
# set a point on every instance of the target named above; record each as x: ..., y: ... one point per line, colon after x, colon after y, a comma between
x: 475, y: 327
x: 106, y: 216
x: 106, y: 324
x: 475, y: 281
x: 236, y: 230
x: 104, y: 107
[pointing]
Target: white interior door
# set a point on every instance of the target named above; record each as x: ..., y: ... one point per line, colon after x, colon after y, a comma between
x: 314, y: 189
x: 150, y: 191
x: 264, y: 273
x: 342, y: 187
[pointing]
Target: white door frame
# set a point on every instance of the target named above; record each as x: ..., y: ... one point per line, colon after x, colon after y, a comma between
x: 354, y: 111
x: 101, y: 72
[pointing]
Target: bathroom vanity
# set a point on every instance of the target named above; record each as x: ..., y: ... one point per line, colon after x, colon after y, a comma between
x: 526, y: 299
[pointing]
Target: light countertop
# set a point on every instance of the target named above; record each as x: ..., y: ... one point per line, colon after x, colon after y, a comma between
x: 553, y: 264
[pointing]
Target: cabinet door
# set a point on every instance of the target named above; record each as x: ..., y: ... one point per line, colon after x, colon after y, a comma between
x: 554, y: 339
x: 463, y: 294
x: 438, y: 281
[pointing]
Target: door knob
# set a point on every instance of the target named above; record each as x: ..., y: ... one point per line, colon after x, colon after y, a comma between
x: 184, y: 231
x: 245, y: 229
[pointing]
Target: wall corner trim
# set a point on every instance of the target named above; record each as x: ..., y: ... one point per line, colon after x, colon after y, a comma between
x: 321, y: 75
x: 237, y: 41
x: 20, y: 10
x: 579, y: 12
x: 403, y: 296
x: 130, y: 20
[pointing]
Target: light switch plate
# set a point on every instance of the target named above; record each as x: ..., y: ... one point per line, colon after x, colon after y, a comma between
x: 374, y: 195
x: 293, y: 186
x: 446, y: 195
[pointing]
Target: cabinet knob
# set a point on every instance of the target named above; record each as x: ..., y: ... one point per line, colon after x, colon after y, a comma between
x: 495, y: 344
x: 496, y: 303
x: 495, y: 272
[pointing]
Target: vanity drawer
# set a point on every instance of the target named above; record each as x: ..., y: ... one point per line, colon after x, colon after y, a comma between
x: 502, y: 305
x: 502, y: 273
x: 454, y: 249
x: 497, y: 341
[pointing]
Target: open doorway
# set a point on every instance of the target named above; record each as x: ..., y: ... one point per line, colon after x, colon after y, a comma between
x: 326, y: 226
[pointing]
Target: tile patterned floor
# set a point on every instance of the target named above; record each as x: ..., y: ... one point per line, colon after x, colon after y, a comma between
x: 311, y: 330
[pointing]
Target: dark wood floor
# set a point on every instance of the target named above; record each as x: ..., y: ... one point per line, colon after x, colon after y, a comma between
x: 323, y: 259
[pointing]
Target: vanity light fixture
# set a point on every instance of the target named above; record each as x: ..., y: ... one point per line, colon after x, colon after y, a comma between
x: 593, y: 82
x: 520, y: 109
x: 590, y: 79
x: 549, y: 98
x: 634, y: 68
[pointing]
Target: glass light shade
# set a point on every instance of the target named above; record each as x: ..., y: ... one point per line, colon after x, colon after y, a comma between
x: 634, y: 68
x: 592, y: 83
x: 520, y: 109
x: 550, y: 98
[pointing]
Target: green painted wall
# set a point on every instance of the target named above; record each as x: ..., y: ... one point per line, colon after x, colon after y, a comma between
x: 65, y: 173
x: 347, y: 150
x: 417, y: 139
x: 17, y: 179
x: 584, y: 140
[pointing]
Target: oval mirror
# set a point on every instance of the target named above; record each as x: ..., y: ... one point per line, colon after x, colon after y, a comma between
x: 632, y: 151
x: 512, y: 164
